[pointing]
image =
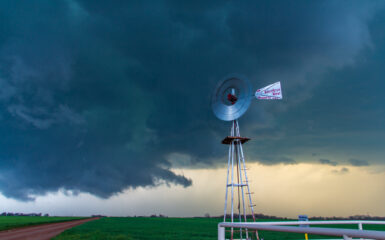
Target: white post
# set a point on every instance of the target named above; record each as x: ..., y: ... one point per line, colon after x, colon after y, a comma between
x: 221, y: 233
x: 347, y: 238
x: 360, y: 227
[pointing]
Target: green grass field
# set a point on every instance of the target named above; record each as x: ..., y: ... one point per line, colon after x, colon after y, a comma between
x: 8, y: 222
x: 167, y: 229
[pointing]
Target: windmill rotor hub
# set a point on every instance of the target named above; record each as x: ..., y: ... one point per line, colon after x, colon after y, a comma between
x: 231, y: 98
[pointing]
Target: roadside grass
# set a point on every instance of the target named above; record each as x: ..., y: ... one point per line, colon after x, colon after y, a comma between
x: 9, y: 222
x: 139, y: 228
x: 143, y: 228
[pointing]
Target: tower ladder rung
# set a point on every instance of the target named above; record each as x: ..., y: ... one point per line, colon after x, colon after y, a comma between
x: 237, y: 185
x: 250, y: 193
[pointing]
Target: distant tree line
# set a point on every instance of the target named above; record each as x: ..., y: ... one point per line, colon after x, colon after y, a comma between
x: 257, y: 216
x: 151, y: 216
x: 263, y: 216
x: 355, y: 217
x: 160, y: 216
x: 24, y: 214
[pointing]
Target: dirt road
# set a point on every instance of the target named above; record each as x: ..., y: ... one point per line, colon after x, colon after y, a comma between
x: 40, y: 232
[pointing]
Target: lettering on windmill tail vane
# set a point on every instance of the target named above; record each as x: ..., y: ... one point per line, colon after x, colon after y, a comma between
x: 268, y: 98
x: 274, y: 91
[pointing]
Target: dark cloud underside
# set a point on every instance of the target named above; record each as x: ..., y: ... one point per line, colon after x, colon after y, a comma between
x: 328, y: 162
x: 341, y: 171
x: 95, y: 96
x: 358, y: 162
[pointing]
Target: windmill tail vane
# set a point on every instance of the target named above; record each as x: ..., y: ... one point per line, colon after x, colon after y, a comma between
x: 270, y: 92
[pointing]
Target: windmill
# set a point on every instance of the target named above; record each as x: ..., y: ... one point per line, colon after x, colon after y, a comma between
x: 230, y: 100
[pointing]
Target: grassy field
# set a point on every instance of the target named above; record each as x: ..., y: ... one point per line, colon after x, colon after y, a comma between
x: 8, y: 222
x: 167, y: 229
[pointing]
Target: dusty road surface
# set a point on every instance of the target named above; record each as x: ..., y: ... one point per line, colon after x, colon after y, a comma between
x: 40, y: 232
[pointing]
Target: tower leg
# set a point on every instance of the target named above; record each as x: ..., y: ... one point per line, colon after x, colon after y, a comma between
x: 227, y: 177
x: 239, y: 187
x: 232, y: 183
x: 246, y: 179
x: 243, y: 195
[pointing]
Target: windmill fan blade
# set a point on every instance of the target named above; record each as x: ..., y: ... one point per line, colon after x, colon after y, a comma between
x: 231, y: 98
x: 273, y: 91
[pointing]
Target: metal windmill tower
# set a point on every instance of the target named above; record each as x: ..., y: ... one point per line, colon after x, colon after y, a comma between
x: 230, y: 101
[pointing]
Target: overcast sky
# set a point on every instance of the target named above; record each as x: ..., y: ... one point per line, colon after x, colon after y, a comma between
x: 105, y: 99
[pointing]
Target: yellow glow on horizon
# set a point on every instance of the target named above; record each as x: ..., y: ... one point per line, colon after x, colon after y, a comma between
x: 289, y: 190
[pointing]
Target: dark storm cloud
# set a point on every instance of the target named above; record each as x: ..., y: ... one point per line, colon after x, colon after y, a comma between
x: 328, y: 162
x: 358, y: 162
x: 95, y: 96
